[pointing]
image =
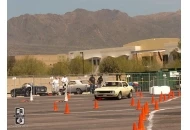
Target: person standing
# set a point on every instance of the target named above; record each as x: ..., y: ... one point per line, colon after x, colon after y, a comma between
x: 55, y: 86
x: 92, y: 84
x: 64, y: 81
x: 99, y: 81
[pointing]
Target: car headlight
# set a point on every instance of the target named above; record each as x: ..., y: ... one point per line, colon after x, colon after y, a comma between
x: 113, y: 92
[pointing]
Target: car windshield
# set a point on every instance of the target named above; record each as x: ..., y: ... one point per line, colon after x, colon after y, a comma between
x: 25, y: 85
x: 84, y: 81
x: 112, y: 84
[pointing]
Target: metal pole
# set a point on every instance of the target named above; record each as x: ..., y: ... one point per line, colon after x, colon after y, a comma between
x: 14, y: 78
x: 83, y: 62
x: 149, y: 79
x: 142, y: 85
x: 92, y: 65
x: 14, y: 87
x: 32, y: 84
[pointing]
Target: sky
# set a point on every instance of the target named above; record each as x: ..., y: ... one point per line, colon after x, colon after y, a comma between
x: 16, y: 8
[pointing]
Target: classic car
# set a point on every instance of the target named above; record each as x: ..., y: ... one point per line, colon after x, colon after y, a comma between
x: 25, y: 89
x: 76, y: 87
x: 116, y: 89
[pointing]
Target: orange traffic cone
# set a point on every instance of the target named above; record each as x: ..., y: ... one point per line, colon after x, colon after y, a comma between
x: 140, y: 123
x: 168, y: 96
x: 132, y: 102
x: 164, y: 97
x: 156, y: 107
x: 67, y: 111
x: 141, y: 95
x: 95, y: 104
x: 143, y: 114
x: 152, y: 101
x: 55, y: 108
x: 138, y: 105
x: 147, y: 108
x: 134, y: 126
x: 160, y: 97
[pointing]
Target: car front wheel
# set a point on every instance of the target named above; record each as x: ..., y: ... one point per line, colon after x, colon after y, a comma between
x: 27, y: 94
x: 13, y: 94
x: 119, y: 96
x: 130, y: 95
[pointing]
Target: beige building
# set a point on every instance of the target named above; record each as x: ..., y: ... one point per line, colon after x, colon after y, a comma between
x: 158, y: 48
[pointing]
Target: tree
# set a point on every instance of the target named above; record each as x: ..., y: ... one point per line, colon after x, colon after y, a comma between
x: 122, y: 62
x: 60, y: 68
x: 10, y: 64
x: 174, y: 64
x: 135, y: 66
x: 109, y: 65
x: 154, y: 65
x: 29, y: 66
x: 179, y: 44
x: 76, y: 66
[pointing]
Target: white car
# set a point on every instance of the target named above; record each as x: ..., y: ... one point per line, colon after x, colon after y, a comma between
x: 76, y: 87
x: 117, y: 89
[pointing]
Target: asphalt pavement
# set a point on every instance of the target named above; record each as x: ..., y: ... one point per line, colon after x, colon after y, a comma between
x: 111, y: 114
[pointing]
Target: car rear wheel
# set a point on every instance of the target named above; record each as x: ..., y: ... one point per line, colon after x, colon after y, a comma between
x: 130, y: 95
x: 78, y: 91
x: 13, y: 94
x: 119, y: 96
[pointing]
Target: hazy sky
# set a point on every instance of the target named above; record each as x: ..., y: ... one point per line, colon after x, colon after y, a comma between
x: 131, y: 7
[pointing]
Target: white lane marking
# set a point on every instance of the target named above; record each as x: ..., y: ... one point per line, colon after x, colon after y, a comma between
x: 151, y: 114
x: 83, y: 112
x: 57, y: 123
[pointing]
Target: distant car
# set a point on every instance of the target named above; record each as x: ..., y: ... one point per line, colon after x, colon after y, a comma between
x: 76, y: 87
x: 117, y: 89
x: 25, y: 89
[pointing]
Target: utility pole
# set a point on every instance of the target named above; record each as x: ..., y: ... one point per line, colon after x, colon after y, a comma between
x: 82, y: 62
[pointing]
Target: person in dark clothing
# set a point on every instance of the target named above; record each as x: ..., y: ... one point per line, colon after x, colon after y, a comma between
x: 99, y: 81
x: 92, y: 84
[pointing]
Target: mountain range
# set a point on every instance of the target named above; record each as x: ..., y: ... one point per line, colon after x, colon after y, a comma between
x: 82, y: 30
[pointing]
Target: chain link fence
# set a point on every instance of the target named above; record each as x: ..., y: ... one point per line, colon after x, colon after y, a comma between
x: 142, y: 80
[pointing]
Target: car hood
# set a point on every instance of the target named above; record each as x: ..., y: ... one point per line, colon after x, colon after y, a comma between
x: 15, y: 89
x: 107, y: 88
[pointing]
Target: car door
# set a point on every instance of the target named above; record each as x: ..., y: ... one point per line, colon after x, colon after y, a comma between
x: 21, y: 91
x: 71, y: 87
x: 17, y: 91
x: 126, y: 89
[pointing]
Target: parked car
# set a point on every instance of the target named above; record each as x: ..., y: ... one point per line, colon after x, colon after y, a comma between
x: 76, y: 87
x: 25, y: 89
x: 117, y: 89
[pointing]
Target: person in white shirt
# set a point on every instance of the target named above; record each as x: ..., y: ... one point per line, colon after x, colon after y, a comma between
x: 64, y: 81
x: 55, y: 85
